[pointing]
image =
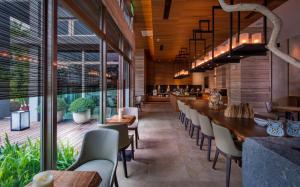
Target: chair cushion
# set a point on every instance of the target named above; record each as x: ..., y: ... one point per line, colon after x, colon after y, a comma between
x: 103, y: 167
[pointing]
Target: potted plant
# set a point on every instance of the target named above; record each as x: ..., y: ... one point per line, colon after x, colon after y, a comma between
x: 81, y: 110
x: 61, y: 108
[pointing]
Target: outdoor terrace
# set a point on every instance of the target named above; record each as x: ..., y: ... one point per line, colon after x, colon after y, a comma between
x: 67, y: 132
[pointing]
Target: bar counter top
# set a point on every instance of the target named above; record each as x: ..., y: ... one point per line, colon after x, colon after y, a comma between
x: 271, y: 161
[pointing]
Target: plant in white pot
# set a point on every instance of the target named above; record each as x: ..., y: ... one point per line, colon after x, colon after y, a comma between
x: 61, y: 109
x: 81, y: 110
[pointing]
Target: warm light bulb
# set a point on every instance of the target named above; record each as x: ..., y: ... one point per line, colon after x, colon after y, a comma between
x: 256, y: 38
x: 244, y: 38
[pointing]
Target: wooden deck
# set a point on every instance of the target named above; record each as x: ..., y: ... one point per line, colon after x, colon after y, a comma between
x: 68, y: 132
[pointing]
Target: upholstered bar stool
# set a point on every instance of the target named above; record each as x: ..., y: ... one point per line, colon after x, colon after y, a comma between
x: 226, y: 146
x: 187, y: 121
x: 179, y: 103
x: 206, y: 132
x: 195, y: 124
x: 184, y: 113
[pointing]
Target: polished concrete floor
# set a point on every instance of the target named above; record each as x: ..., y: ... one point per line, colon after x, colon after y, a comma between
x: 167, y: 156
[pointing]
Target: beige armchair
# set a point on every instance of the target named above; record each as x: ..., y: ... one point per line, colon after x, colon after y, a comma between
x: 225, y: 146
x: 125, y: 141
x: 206, y: 132
x: 99, y: 153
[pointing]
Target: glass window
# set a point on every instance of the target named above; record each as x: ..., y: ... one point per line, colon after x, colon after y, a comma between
x: 81, y: 29
x: 63, y: 27
x: 112, y: 83
x: 78, y: 84
x: 66, y: 56
x: 112, y: 57
x: 91, y: 56
x: 126, y: 91
x: 21, y: 65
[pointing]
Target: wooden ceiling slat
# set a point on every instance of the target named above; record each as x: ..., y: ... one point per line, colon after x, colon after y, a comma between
x: 175, y: 32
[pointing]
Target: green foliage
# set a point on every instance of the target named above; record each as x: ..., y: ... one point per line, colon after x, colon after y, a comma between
x: 81, y: 105
x: 18, y: 164
x: 65, y: 156
x: 61, y: 105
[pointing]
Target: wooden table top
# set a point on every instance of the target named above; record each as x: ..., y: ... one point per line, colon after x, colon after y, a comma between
x: 126, y: 119
x: 287, y: 108
x: 242, y: 128
x: 75, y: 179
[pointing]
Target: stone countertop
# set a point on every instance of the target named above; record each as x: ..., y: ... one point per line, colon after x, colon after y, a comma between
x: 271, y: 161
x: 288, y: 148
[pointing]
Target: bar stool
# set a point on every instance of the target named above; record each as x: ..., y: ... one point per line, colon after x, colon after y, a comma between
x: 206, y: 132
x: 226, y: 146
x: 182, y: 105
x: 187, y: 121
x: 195, y: 123
x: 179, y: 103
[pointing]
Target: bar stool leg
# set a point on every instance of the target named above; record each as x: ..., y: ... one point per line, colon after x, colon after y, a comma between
x: 201, y: 143
x: 209, y: 149
x: 198, y: 132
x: 216, y: 159
x: 228, y: 170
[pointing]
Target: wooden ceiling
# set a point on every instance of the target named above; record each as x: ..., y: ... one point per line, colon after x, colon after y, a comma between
x: 174, y: 33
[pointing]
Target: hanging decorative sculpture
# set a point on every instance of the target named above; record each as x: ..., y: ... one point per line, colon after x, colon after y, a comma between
x: 276, y: 21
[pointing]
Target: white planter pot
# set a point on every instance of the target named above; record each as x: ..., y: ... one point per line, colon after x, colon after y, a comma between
x: 82, y: 117
x: 60, y: 115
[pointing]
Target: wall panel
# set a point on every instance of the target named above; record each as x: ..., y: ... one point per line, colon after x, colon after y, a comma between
x: 139, y: 72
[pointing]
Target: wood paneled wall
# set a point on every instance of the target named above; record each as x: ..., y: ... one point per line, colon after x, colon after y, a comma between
x: 286, y: 77
x: 280, y: 80
x: 233, y: 83
x: 117, y: 14
x: 221, y: 74
x: 256, y: 81
x: 140, y: 72
x: 294, y: 72
x: 198, y: 78
x: 162, y: 73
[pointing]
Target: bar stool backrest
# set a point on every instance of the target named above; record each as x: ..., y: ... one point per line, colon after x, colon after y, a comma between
x: 224, y: 141
x: 187, y: 109
x: 194, y: 117
x: 205, y: 124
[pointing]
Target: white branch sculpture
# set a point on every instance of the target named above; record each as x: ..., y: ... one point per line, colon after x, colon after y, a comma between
x: 276, y: 21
